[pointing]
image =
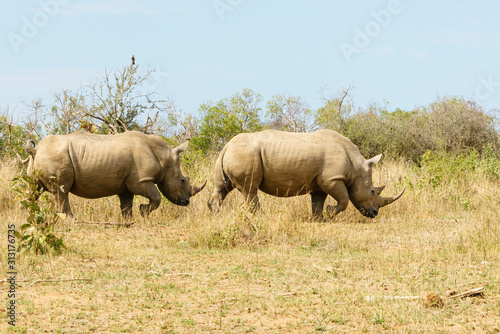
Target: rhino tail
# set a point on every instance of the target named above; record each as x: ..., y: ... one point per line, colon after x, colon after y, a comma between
x: 223, y: 176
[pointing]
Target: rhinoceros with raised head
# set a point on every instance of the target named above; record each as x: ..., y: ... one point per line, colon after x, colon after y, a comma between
x: 286, y: 164
x: 92, y: 166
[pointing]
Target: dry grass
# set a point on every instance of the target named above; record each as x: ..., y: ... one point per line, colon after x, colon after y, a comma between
x: 184, y: 270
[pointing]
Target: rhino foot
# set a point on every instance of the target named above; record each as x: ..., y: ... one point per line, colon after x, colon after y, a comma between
x: 145, y: 209
x: 333, y: 210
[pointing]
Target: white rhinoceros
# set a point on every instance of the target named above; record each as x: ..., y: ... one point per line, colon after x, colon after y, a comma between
x: 286, y: 164
x: 127, y: 164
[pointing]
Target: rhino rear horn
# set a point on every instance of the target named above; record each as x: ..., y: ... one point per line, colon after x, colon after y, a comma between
x: 196, y: 190
x: 378, y: 190
x: 383, y: 201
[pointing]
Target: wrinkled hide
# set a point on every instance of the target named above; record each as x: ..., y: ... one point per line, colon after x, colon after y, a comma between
x: 93, y: 166
x: 286, y: 164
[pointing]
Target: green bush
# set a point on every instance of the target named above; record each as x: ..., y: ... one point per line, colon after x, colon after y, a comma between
x: 442, y: 168
x: 19, y: 136
x: 37, y: 234
x: 451, y: 125
x: 227, y: 118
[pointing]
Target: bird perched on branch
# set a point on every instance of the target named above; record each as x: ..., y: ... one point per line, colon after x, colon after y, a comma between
x: 133, y: 60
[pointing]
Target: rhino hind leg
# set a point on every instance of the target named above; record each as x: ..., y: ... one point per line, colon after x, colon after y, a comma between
x: 250, y: 188
x: 126, y: 202
x: 252, y: 200
x: 318, y: 202
x: 221, y: 190
x: 148, y: 190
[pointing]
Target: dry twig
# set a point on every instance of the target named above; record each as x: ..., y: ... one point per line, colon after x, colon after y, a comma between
x: 59, y: 280
x: 469, y: 293
x: 108, y: 224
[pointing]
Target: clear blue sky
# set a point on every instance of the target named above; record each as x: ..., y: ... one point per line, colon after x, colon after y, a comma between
x: 406, y: 52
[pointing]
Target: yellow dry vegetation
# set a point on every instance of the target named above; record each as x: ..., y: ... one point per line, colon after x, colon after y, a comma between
x: 186, y: 270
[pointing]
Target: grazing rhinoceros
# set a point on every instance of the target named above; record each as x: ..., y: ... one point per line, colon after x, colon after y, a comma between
x: 286, y: 164
x: 127, y: 164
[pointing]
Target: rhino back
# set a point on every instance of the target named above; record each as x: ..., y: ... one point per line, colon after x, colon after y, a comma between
x: 99, y: 164
x: 290, y: 163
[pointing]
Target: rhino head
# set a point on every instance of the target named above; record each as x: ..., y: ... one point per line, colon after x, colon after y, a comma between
x: 365, y: 197
x: 174, y: 185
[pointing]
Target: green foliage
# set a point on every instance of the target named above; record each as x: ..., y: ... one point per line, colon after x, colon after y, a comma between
x: 69, y: 114
x: 396, y: 134
x: 37, y: 234
x: 334, y: 114
x: 450, y: 124
x: 226, y: 118
x: 444, y: 168
x: 288, y: 113
x: 19, y: 136
x: 490, y: 162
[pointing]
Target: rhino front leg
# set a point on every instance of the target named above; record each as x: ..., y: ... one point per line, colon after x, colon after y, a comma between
x: 126, y: 202
x: 318, y: 202
x: 148, y: 190
x: 60, y: 190
x: 338, y: 191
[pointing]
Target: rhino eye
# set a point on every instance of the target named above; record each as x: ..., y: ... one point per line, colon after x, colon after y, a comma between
x: 183, y: 180
x: 373, y: 191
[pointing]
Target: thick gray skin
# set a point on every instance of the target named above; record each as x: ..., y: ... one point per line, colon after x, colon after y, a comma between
x: 286, y: 164
x: 93, y: 166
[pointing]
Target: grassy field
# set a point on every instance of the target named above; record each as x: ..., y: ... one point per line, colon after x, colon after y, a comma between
x: 185, y: 270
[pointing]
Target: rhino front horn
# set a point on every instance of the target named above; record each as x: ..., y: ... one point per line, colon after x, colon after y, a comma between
x: 196, y: 190
x: 388, y: 200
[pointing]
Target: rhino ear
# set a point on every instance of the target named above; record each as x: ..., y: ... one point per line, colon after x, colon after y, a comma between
x: 374, y: 160
x: 181, y: 148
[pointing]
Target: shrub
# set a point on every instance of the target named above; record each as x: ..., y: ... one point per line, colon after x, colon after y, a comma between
x: 442, y: 167
x: 19, y: 136
x: 451, y: 125
x: 458, y: 125
x: 288, y: 113
x: 227, y: 118
x: 396, y: 134
x: 37, y: 234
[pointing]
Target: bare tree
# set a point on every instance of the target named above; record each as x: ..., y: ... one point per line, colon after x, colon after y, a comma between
x: 288, y: 113
x: 334, y: 114
x: 118, y: 100
x: 179, y: 124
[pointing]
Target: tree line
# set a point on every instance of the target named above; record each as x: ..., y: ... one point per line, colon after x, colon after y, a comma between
x: 118, y: 102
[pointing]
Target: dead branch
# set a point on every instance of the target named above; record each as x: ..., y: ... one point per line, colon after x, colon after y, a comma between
x: 286, y: 294
x: 177, y: 274
x: 122, y: 124
x: 468, y: 293
x: 108, y: 124
x: 108, y: 224
x: 376, y: 298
